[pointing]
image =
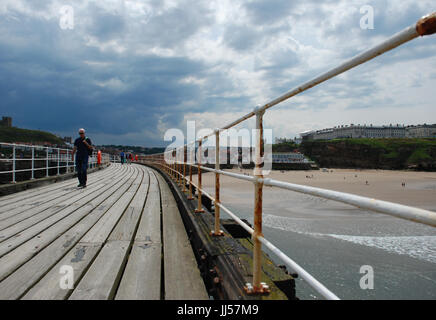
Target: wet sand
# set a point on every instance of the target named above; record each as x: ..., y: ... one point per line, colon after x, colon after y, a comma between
x: 333, y: 240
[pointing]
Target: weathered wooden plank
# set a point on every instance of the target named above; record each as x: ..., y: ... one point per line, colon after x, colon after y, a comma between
x: 149, y: 229
x: 100, y: 232
x: 29, y: 192
x: 49, y: 287
x: 126, y: 227
x: 70, y: 212
x: 11, y: 201
x: 102, y: 278
x: 107, y: 269
x: 142, y: 276
x: 30, y: 272
x: 46, y: 287
x: 20, y: 221
x: 12, y: 260
x: 182, y: 276
x: 99, y: 282
x: 50, y: 197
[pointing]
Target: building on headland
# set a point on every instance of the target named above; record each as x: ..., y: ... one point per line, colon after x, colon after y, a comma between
x: 421, y: 131
x: 6, y: 122
x: 283, y: 140
x: 371, y: 132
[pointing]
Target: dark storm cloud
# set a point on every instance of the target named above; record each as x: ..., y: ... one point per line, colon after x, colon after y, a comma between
x: 65, y: 99
x: 105, y: 25
x: 117, y: 74
x: 44, y: 84
x: 176, y: 25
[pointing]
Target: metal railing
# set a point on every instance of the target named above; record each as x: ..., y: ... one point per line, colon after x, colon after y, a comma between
x: 176, y: 169
x: 115, y: 159
x: 21, y: 158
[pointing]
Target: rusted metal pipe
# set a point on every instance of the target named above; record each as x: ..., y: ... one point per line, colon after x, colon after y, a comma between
x: 190, y: 197
x: 217, y: 231
x: 179, y: 176
x: 173, y: 166
x: 321, y: 289
x: 190, y: 163
x: 184, y: 169
x: 258, y: 287
x: 426, y: 25
x: 199, y: 208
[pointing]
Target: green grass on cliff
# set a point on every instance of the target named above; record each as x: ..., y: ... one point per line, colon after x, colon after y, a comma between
x: 392, y: 147
x: 13, y: 135
x: 284, y: 147
x: 419, y: 154
x: 408, y: 151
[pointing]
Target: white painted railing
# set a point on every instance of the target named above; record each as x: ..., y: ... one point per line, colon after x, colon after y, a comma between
x: 176, y: 169
x: 17, y: 158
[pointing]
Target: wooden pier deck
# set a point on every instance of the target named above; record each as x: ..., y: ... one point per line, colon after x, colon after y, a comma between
x: 122, y: 236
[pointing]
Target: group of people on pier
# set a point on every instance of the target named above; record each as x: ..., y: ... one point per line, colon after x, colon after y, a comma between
x: 128, y: 157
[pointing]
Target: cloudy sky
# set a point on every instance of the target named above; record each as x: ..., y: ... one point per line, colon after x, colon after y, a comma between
x: 129, y: 70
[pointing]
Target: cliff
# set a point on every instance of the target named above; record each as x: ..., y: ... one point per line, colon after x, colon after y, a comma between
x: 391, y: 154
x: 17, y: 135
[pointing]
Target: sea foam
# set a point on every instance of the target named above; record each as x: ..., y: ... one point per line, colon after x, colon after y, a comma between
x: 416, y: 246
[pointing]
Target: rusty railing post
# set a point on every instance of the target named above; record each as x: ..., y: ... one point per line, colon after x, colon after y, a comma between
x: 190, y: 197
x: 199, y: 208
x: 169, y: 166
x: 217, y: 231
x: 180, y: 180
x: 174, y: 166
x: 176, y: 176
x: 184, y: 169
x: 177, y: 168
x: 258, y: 287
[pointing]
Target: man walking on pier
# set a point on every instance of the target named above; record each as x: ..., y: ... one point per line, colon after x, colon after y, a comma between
x: 83, y: 147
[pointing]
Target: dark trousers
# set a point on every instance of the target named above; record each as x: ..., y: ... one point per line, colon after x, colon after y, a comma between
x: 81, y: 167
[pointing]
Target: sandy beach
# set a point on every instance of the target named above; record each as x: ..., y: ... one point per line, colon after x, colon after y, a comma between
x: 333, y: 240
x: 419, y: 189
